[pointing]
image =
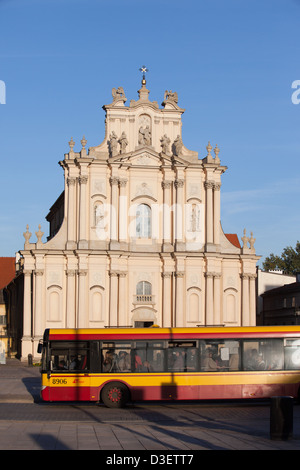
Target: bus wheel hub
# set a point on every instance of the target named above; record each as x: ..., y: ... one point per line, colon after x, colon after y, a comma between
x: 115, y: 394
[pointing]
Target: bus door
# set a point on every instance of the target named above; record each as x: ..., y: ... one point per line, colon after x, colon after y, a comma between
x: 69, y: 366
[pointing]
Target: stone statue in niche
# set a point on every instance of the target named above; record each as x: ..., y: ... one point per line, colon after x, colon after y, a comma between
x: 113, y: 144
x: 195, y: 219
x: 144, y: 137
x: 177, y: 146
x: 123, y: 142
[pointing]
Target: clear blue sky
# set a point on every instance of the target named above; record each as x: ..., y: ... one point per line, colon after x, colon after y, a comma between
x: 231, y: 62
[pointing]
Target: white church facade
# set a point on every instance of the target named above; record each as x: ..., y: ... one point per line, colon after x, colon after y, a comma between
x: 136, y: 238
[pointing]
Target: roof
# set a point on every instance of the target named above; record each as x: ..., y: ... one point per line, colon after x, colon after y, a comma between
x: 287, y: 288
x: 233, y: 238
x: 7, y: 270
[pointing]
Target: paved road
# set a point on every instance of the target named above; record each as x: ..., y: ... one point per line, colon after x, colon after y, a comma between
x: 26, y: 423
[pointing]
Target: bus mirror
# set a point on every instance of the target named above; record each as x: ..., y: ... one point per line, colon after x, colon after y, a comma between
x: 40, y: 348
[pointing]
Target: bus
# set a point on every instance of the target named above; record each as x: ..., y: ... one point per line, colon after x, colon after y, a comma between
x: 115, y: 366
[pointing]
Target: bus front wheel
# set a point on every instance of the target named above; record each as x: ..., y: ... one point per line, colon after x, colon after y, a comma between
x: 115, y: 395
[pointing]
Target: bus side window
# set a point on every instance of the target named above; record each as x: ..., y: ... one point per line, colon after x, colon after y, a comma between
x: 291, y: 354
x: 148, y: 357
x: 263, y: 354
x: 220, y: 355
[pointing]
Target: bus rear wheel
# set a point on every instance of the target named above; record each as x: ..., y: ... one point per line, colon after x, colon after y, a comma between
x: 115, y: 395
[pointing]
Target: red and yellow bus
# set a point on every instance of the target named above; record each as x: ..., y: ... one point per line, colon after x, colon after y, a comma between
x: 118, y: 365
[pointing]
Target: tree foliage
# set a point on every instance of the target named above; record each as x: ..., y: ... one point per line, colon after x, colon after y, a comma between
x: 289, y: 261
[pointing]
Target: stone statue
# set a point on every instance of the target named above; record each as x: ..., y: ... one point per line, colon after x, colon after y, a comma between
x: 195, y: 219
x: 171, y: 96
x: 144, y: 137
x: 113, y: 144
x: 245, y: 239
x: 165, y: 142
x: 123, y: 142
x: 177, y: 146
x: 118, y: 94
x: 251, y: 242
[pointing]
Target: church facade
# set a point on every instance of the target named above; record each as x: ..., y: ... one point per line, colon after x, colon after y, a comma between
x: 135, y: 237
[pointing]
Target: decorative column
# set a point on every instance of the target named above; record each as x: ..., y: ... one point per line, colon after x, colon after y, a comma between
x: 114, y: 182
x: 113, y: 307
x: 27, y: 325
x: 179, y: 310
x: 71, y: 181
x: 167, y: 216
x: 209, y: 299
x: 70, y: 299
x: 38, y: 305
x: 209, y: 212
x: 82, y: 213
x: 217, y: 298
x: 179, y: 213
x: 245, y: 300
x: 217, y: 216
x: 167, y: 300
x: 252, y: 300
x: 122, y: 299
x: 123, y: 212
x: 82, y: 310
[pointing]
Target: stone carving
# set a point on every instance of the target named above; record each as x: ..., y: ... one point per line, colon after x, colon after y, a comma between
x: 39, y: 235
x: 171, y: 96
x: 71, y: 144
x: 83, y: 142
x: 165, y: 142
x: 144, y: 160
x: 245, y: 239
x: 144, y: 137
x: 216, y: 152
x: 118, y: 95
x: 177, y: 146
x: 143, y: 190
x: 123, y: 142
x: 113, y: 144
x: 195, y: 225
x: 251, y: 242
x: 27, y: 235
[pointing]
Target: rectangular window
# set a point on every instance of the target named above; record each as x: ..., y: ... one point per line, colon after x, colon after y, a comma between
x: 148, y: 356
x: 69, y: 356
x: 220, y: 355
x: 264, y: 354
x: 182, y: 356
x: 291, y: 354
x: 116, y: 357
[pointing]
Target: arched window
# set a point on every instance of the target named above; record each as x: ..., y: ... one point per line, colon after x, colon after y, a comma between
x: 144, y: 292
x: 143, y: 288
x: 143, y: 221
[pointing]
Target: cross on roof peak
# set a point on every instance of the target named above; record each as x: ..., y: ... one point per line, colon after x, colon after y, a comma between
x: 144, y: 70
